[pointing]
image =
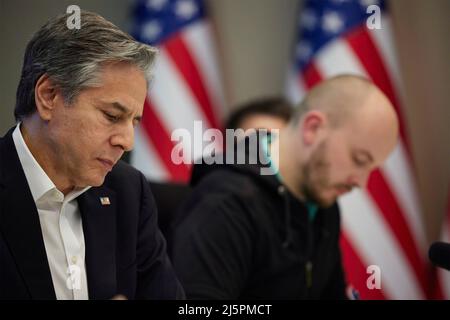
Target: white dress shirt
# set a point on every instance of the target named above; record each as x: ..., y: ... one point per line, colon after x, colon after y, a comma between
x: 61, y: 226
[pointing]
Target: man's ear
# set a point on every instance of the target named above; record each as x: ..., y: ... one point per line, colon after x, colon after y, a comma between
x: 45, y: 94
x: 312, y: 126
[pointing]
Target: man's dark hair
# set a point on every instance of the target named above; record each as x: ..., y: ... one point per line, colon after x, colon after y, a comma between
x: 274, y: 106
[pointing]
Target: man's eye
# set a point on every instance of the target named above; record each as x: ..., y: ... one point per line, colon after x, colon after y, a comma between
x: 359, y: 162
x: 111, y: 117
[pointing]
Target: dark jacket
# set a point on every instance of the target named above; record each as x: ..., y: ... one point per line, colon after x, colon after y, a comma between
x: 125, y: 251
x: 242, y: 235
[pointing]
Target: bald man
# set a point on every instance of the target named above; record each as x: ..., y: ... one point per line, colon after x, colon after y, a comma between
x: 244, y: 235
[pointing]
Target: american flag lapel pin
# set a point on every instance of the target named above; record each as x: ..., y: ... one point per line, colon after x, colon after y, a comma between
x: 105, y: 201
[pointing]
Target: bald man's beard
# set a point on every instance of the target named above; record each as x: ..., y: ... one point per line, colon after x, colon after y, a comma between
x: 316, y: 178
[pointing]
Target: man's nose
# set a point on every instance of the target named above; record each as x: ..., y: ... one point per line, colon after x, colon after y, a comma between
x: 360, y: 179
x: 124, y: 137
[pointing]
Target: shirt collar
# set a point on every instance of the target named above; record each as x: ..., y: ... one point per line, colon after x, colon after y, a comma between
x: 40, y: 184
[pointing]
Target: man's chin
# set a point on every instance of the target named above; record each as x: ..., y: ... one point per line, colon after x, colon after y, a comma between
x: 323, y: 202
x: 319, y: 199
x: 95, y: 181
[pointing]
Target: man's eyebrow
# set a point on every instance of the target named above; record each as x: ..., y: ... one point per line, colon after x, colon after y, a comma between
x: 120, y: 107
x: 124, y: 109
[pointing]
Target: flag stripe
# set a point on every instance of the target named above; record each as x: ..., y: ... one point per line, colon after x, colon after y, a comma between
x: 182, y: 58
x: 357, y: 268
x: 398, y: 173
x: 338, y: 58
x: 198, y: 40
x: 146, y: 157
x: 163, y: 144
x: 176, y: 107
x: 383, y: 40
x: 377, y: 245
x: 369, y: 56
x: 174, y: 103
x: 311, y: 75
x: 386, y: 201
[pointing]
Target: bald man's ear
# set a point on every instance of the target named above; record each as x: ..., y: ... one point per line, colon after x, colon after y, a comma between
x: 45, y: 96
x: 313, y: 125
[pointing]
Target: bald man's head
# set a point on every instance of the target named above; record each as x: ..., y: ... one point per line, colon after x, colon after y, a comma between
x: 337, y: 97
x: 344, y: 129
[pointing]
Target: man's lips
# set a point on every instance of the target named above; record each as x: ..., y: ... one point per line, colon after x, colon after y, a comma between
x: 108, y: 164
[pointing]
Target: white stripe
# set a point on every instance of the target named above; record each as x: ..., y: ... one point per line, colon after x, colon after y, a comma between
x: 398, y: 174
x: 295, y: 89
x: 173, y: 101
x: 171, y: 96
x: 338, y: 58
x: 146, y: 159
x: 376, y: 245
x: 201, y: 46
x: 383, y: 40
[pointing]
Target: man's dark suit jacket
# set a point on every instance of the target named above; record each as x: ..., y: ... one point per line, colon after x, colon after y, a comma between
x: 125, y: 251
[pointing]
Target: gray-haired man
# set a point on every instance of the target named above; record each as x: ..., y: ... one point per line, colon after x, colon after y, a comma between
x: 75, y: 222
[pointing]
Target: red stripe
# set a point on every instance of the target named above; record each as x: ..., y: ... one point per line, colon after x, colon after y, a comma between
x: 368, y: 54
x: 311, y: 76
x: 436, y: 285
x: 387, y: 203
x: 182, y: 58
x: 355, y: 270
x: 161, y: 141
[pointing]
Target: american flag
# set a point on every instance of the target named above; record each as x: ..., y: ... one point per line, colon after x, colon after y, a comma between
x: 382, y: 224
x: 186, y: 86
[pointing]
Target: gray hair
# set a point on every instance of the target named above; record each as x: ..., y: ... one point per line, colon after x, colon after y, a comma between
x: 73, y: 58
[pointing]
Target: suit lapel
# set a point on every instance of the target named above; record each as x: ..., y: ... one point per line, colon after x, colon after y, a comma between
x: 99, y: 226
x: 19, y: 221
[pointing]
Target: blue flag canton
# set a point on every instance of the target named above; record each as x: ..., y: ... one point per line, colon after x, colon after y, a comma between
x: 321, y: 21
x: 157, y: 20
